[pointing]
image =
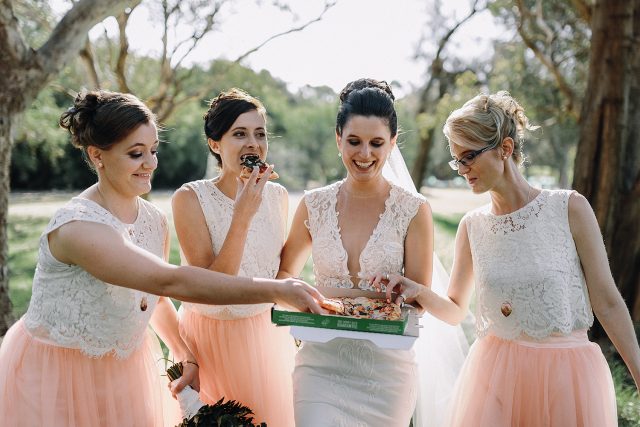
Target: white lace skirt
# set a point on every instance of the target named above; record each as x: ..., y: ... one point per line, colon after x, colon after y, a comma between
x: 353, y: 383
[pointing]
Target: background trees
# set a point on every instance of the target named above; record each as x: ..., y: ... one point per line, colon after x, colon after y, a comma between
x: 552, y: 56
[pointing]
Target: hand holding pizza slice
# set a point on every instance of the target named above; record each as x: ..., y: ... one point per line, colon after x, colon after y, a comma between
x: 250, y: 161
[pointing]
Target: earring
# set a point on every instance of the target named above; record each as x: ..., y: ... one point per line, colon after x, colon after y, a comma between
x: 339, y: 154
x: 100, y: 164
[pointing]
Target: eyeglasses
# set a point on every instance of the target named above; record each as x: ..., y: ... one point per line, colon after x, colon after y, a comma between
x: 469, y: 158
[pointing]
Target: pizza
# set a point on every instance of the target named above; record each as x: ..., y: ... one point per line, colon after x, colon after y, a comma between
x: 363, y: 308
x: 250, y: 161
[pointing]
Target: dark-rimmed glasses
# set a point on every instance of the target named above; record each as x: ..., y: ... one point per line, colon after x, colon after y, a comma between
x: 469, y: 158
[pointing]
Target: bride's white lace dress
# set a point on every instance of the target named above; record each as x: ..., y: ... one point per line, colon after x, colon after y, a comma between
x: 348, y: 382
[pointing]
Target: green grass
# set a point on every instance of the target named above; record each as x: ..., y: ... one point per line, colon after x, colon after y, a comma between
x: 626, y: 395
x: 24, y: 233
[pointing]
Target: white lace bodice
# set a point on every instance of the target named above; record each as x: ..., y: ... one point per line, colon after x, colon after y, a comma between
x: 261, y: 257
x: 383, y: 253
x: 526, y: 265
x: 71, y: 308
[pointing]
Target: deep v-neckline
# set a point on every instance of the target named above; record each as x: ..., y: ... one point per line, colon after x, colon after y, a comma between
x: 372, y: 236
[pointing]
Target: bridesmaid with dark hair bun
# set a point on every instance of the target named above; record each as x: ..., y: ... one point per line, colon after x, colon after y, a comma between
x: 237, y: 226
x: 83, y: 355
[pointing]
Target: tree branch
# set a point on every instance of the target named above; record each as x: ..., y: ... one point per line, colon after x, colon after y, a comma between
x: 196, y: 36
x: 12, y: 44
x: 328, y: 5
x: 584, y: 9
x: 546, y: 60
x: 123, y: 53
x: 437, y: 64
x: 86, y: 56
x: 68, y: 36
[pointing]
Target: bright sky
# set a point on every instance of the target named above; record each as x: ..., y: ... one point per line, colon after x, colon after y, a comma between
x: 356, y: 38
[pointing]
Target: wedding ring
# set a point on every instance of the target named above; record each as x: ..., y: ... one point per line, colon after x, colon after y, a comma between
x: 386, y: 276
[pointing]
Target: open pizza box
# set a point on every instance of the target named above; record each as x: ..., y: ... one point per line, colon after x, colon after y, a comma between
x: 392, y: 334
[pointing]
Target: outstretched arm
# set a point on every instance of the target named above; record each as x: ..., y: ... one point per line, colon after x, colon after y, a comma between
x: 452, y: 308
x: 108, y: 256
x: 605, y: 298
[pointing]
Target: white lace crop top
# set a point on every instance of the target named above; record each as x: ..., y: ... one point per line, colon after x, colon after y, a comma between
x: 71, y: 308
x: 261, y: 257
x: 383, y: 253
x: 529, y: 281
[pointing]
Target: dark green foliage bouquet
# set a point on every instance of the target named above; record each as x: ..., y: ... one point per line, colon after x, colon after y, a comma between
x: 197, y: 414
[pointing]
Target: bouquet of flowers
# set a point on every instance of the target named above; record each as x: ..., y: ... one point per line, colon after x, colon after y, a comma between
x: 197, y: 414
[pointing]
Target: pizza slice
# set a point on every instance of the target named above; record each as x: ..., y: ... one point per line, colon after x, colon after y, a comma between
x: 363, y: 308
x: 333, y: 304
x: 250, y: 161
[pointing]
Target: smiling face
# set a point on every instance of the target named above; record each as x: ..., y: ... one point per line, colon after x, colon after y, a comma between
x: 248, y: 134
x: 128, y: 165
x: 365, y: 145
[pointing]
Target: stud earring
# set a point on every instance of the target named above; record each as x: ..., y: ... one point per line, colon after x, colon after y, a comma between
x: 100, y: 164
x: 339, y: 154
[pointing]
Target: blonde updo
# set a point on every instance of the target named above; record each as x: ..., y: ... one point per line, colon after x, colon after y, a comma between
x: 486, y: 120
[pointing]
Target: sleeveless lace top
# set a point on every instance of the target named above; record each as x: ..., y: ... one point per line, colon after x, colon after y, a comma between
x: 383, y: 253
x: 261, y: 257
x: 529, y: 281
x: 71, y: 308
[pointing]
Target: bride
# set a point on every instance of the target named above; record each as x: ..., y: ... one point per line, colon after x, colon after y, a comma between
x: 364, y: 225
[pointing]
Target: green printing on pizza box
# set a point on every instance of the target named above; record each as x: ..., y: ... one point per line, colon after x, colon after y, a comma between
x: 295, y: 318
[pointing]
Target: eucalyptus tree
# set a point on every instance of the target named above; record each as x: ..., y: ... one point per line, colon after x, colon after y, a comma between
x: 25, y: 71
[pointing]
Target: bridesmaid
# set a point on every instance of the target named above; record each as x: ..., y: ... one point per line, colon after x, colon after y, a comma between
x: 82, y: 354
x: 541, y: 272
x: 237, y: 227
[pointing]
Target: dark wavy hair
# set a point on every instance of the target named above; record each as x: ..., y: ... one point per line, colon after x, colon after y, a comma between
x: 367, y: 97
x: 223, y: 111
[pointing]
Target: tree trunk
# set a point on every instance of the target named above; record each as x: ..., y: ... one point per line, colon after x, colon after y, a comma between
x: 25, y: 72
x: 419, y: 169
x: 6, y: 316
x: 607, y: 165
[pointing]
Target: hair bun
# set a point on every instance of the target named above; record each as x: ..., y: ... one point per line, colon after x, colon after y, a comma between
x: 360, y: 84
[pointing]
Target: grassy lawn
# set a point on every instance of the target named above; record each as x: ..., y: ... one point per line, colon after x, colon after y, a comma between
x: 24, y: 232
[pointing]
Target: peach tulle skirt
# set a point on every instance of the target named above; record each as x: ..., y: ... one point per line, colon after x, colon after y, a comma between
x: 45, y: 385
x: 561, y: 381
x: 249, y: 360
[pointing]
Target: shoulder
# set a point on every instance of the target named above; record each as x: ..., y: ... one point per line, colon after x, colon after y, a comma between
x: 580, y: 211
x: 331, y: 188
x: 406, y: 195
x: 276, y: 189
x: 481, y: 211
x: 186, y: 194
x: 81, y: 209
x: 319, y: 194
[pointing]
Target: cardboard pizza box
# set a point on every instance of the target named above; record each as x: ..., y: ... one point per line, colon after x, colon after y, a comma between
x: 395, y: 334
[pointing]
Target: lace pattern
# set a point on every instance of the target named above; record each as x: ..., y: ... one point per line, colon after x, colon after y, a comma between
x: 262, y: 249
x: 384, y: 252
x: 71, y: 308
x: 359, y: 383
x: 529, y: 280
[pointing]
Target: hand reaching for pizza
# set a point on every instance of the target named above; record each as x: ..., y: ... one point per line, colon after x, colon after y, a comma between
x: 406, y: 289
